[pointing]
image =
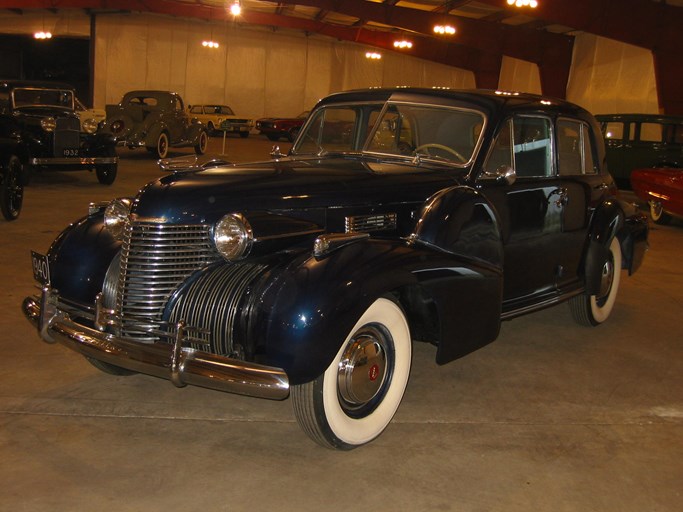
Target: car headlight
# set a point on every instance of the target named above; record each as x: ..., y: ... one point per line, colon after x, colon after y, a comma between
x: 117, y: 127
x: 116, y: 216
x: 90, y: 125
x: 233, y: 236
x: 48, y: 124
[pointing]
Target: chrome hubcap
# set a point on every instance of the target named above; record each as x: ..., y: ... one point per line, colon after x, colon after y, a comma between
x: 606, y: 278
x: 363, y: 367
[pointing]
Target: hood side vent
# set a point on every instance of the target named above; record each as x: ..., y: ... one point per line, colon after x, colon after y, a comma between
x: 369, y: 223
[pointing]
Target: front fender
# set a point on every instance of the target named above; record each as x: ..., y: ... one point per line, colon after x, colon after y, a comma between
x: 194, y: 131
x: 308, y: 307
x: 79, y: 258
x: 605, y: 224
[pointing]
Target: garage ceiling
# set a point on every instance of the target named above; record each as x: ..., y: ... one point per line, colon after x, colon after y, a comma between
x: 485, y: 29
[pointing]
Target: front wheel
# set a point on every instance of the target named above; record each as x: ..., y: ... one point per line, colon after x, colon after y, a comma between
x: 106, y: 174
x: 161, y: 149
x: 593, y: 310
x: 356, y: 397
x: 659, y: 216
x: 11, y: 189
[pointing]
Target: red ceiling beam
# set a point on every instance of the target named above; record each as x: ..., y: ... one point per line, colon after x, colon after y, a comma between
x: 655, y: 26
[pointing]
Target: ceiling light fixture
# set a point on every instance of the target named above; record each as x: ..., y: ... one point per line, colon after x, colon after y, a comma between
x: 403, y: 44
x: 373, y: 55
x: 524, y: 3
x: 236, y: 8
x: 444, y: 29
x: 43, y: 35
x: 210, y: 44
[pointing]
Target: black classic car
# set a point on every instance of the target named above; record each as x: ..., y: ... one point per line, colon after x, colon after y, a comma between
x: 41, y: 119
x: 11, y: 184
x: 156, y: 120
x: 398, y: 216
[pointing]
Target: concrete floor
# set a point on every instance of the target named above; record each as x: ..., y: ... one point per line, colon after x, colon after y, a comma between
x: 550, y: 417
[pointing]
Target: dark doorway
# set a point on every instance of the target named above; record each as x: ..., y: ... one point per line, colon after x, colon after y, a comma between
x: 61, y: 59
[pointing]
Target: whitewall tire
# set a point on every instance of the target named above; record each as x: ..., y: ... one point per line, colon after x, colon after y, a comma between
x: 354, y: 400
x: 593, y: 310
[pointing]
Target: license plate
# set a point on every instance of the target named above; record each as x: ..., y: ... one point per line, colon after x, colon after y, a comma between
x: 41, y: 268
x: 71, y: 152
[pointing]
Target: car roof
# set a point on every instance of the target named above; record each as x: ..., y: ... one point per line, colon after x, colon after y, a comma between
x: 9, y: 84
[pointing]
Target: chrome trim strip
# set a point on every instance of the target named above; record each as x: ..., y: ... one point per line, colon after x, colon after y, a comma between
x: 81, y: 161
x: 173, y: 362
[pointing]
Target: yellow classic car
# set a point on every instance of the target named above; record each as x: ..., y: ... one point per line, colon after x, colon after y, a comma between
x: 221, y: 118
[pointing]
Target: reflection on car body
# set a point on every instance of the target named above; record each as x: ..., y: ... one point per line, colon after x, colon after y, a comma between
x: 398, y: 215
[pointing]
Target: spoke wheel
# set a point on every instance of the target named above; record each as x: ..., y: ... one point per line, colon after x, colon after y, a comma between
x: 354, y: 400
x: 11, y: 189
x: 593, y: 310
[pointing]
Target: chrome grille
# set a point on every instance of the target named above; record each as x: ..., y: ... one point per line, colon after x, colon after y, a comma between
x: 367, y: 223
x: 66, y: 135
x: 155, y: 259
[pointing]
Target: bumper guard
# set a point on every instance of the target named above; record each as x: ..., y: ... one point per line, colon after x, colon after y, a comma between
x: 181, y: 365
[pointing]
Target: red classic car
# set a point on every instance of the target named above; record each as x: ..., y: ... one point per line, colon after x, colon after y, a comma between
x: 274, y: 127
x: 662, y: 188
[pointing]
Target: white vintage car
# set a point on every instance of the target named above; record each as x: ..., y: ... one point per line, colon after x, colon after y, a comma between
x: 90, y: 117
x: 221, y: 118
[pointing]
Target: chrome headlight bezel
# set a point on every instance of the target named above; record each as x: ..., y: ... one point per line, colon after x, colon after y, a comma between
x: 48, y: 124
x: 116, y: 216
x: 233, y: 237
x: 90, y: 125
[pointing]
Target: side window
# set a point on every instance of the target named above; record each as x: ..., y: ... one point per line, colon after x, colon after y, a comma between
x: 532, y: 146
x: 196, y: 109
x: 651, y: 132
x: 500, y: 156
x: 574, y: 148
x: 614, y: 130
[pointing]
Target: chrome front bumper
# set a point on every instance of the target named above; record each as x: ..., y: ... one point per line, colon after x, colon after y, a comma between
x: 75, y: 160
x: 181, y: 365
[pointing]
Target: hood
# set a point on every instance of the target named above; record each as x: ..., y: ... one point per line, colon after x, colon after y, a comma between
x: 287, y: 185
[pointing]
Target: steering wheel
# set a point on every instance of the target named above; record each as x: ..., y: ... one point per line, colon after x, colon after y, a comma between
x: 442, y: 147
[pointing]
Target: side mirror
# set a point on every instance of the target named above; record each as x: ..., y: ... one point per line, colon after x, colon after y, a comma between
x: 276, y: 153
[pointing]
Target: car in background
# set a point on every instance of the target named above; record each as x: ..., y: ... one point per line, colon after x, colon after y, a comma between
x: 155, y: 120
x: 277, y: 127
x: 41, y: 119
x: 221, y: 118
x: 11, y: 183
x: 662, y: 189
x: 636, y: 141
x: 399, y: 216
x: 89, y: 116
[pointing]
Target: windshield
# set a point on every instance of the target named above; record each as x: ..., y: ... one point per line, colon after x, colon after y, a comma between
x: 29, y: 97
x: 341, y: 128
x: 437, y: 133
x: 434, y: 132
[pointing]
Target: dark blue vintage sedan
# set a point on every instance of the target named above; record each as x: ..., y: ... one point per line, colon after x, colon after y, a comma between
x: 399, y: 215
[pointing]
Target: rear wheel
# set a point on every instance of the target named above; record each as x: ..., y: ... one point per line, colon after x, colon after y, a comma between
x: 593, y: 310
x: 211, y: 128
x: 202, y: 143
x: 354, y: 400
x: 11, y: 189
x: 659, y: 216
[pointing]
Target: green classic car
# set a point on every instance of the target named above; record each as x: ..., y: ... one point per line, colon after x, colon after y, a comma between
x: 156, y: 120
x: 635, y: 141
